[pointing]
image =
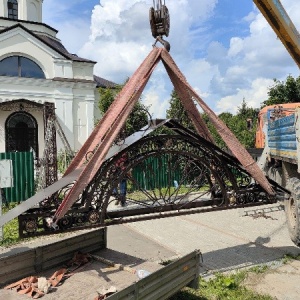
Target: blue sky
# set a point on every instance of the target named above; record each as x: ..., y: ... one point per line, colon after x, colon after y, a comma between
x: 225, y: 48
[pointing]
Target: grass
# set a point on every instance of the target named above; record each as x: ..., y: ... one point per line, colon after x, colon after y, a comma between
x: 221, y: 287
x: 10, y: 230
x: 289, y: 257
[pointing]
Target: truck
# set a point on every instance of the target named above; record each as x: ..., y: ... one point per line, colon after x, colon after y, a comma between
x: 278, y: 128
x: 278, y: 133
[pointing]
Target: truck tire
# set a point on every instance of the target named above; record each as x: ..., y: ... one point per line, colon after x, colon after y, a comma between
x: 292, y: 210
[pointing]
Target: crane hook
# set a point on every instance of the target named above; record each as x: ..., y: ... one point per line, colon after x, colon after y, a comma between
x: 160, y: 22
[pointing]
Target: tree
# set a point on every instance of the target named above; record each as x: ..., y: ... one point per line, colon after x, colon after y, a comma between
x: 178, y: 112
x: 137, y: 119
x: 284, y: 92
x: 242, y: 125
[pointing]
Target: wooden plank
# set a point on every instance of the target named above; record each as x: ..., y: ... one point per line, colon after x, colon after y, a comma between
x: 29, y: 262
x: 15, y: 262
x: 165, y: 282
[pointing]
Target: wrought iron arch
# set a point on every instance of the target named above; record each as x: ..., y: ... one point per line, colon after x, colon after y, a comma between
x: 204, y: 175
x: 206, y: 178
x: 186, y: 154
x: 21, y: 133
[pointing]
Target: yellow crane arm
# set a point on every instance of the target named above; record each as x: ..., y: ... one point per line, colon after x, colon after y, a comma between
x: 283, y: 26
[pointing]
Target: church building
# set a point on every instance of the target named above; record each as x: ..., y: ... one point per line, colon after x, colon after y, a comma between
x: 48, y: 96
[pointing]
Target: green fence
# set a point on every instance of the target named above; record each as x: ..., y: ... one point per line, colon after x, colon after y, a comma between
x: 23, y: 172
x: 155, y: 172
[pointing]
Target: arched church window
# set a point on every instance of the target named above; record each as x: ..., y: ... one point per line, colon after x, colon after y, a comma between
x: 12, y: 8
x: 21, y: 67
x: 21, y: 133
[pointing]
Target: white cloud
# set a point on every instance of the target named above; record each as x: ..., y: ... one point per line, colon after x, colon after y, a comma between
x: 120, y: 38
x: 73, y: 25
x: 254, y: 96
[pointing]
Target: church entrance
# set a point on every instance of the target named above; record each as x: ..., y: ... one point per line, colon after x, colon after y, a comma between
x: 21, y: 130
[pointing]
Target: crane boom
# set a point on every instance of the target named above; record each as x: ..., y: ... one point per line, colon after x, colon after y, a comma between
x: 283, y: 26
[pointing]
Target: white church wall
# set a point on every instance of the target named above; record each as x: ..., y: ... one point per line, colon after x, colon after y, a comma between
x: 75, y: 101
x: 97, y: 113
x: 38, y: 90
x: 52, y: 63
x: 42, y: 56
x: 63, y: 68
x: 3, y: 8
x: 34, y: 10
x: 72, y: 116
x: 83, y: 70
x: 3, y: 116
x: 83, y: 112
x: 41, y: 91
x: 80, y: 122
x: 63, y: 98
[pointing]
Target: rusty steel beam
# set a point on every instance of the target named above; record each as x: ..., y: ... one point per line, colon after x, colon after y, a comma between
x: 229, y: 138
x: 108, y: 130
x: 190, y: 108
x: 113, y: 111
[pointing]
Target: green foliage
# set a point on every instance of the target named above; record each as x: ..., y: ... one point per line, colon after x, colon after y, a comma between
x: 221, y: 287
x: 284, y: 91
x: 10, y: 230
x: 289, y: 257
x: 178, y: 112
x: 238, y: 124
x: 137, y: 119
x: 64, y: 159
x: 259, y: 269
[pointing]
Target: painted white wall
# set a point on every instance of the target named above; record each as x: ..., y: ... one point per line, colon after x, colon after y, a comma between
x: 34, y: 10
x: 3, y: 8
x: 68, y: 84
x: 28, y: 10
x: 74, y: 104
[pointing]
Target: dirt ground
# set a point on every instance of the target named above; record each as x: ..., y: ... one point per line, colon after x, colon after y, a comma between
x: 282, y: 283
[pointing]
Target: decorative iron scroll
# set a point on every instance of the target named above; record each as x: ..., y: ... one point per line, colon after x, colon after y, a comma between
x: 164, y: 173
x: 50, y: 151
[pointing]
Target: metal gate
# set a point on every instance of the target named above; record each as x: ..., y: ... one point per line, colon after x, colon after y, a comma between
x: 23, y: 176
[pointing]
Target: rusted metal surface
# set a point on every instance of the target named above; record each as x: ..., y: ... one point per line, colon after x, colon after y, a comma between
x: 109, y: 128
x: 191, y: 108
x: 195, y: 172
x: 207, y: 179
x: 229, y: 138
